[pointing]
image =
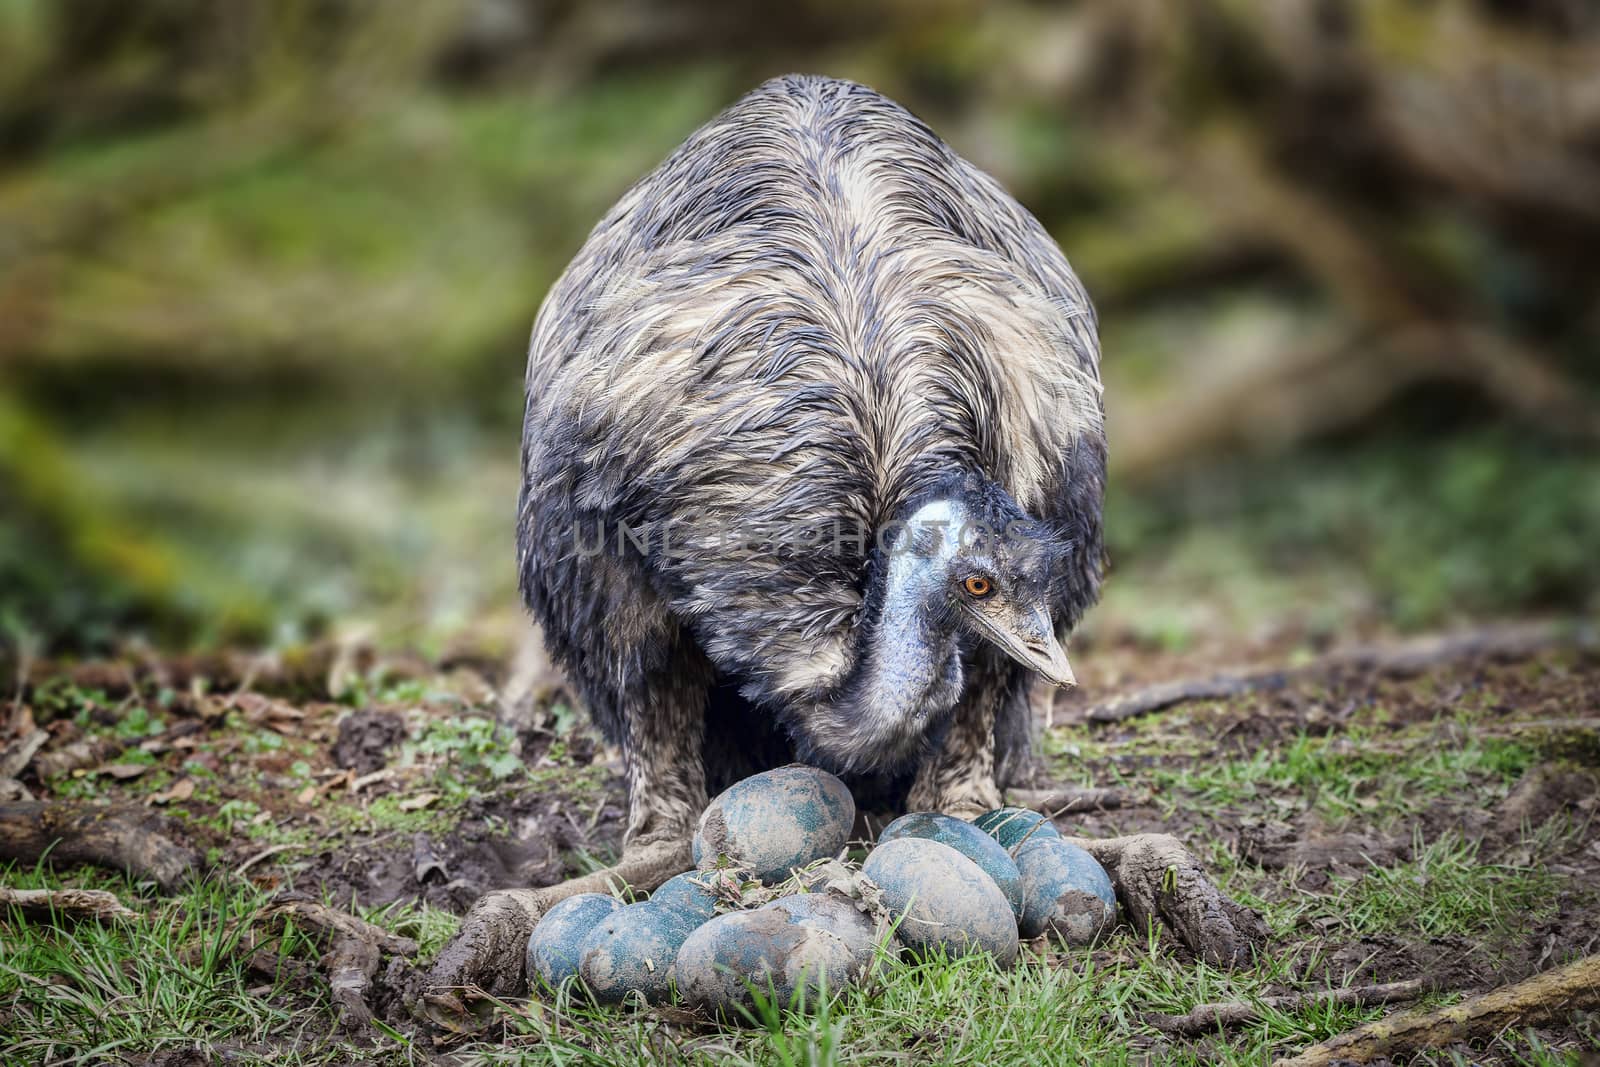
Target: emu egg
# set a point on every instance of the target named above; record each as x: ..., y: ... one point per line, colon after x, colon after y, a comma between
x: 632, y: 950
x: 553, y: 948
x: 685, y: 893
x: 776, y: 821
x: 1065, y: 892
x: 794, y: 946
x: 1012, y: 826
x: 942, y: 899
x: 833, y: 912
x: 966, y: 839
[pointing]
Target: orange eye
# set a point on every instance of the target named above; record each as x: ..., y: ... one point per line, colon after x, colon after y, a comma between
x: 978, y: 586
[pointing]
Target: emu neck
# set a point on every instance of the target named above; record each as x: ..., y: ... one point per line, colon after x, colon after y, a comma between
x: 909, y: 670
x: 907, y: 652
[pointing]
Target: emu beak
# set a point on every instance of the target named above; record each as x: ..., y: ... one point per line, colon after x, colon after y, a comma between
x: 1032, y: 642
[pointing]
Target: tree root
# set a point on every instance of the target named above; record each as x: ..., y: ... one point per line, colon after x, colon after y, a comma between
x: 357, y: 948
x: 106, y: 837
x: 1543, y: 999
x: 338, y: 924
x: 76, y: 903
x: 1160, y: 883
x: 1209, y: 1017
x: 1403, y: 659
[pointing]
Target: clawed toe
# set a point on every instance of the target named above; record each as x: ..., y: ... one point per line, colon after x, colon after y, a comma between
x: 1160, y: 882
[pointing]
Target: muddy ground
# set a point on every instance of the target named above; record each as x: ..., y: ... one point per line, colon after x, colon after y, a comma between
x: 415, y: 786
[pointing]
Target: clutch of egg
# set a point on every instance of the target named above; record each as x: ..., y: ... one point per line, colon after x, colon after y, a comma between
x: 948, y: 886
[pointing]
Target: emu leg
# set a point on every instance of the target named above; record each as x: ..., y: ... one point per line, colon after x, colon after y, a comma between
x: 958, y: 779
x: 1160, y: 882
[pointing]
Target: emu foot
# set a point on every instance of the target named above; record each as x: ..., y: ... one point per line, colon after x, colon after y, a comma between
x: 1159, y: 881
x: 484, y: 961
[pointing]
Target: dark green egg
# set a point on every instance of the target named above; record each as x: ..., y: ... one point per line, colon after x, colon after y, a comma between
x: 1065, y: 892
x: 776, y: 821
x: 967, y: 839
x: 689, y: 893
x: 554, y: 948
x: 632, y: 951
x: 794, y: 947
x: 1012, y: 826
x: 943, y: 899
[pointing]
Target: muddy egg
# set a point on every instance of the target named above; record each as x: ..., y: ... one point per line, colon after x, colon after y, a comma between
x: 968, y: 840
x: 776, y: 821
x: 833, y: 912
x: 942, y: 899
x: 632, y: 950
x: 553, y: 949
x: 689, y: 893
x: 1012, y: 826
x: 808, y: 942
x: 1065, y: 892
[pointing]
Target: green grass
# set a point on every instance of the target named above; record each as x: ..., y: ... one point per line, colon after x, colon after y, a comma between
x: 174, y: 977
x: 1446, y: 888
x: 429, y: 927
x: 1070, y: 1009
x: 173, y: 980
x: 1342, y: 780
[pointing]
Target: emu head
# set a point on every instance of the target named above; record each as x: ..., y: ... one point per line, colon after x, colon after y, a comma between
x: 963, y: 567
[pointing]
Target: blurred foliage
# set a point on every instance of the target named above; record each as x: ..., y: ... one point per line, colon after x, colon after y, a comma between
x: 267, y: 269
x: 1384, y: 529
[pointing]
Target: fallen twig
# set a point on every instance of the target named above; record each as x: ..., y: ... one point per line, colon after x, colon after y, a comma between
x: 78, y: 903
x: 78, y: 755
x: 271, y: 850
x: 1053, y: 802
x: 19, y: 753
x: 1276, y: 846
x: 1208, y: 1017
x: 1543, y: 999
x: 95, y: 751
x: 1403, y: 658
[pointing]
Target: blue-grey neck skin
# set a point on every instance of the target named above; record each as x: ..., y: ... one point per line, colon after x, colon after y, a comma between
x: 909, y: 671
x: 914, y: 640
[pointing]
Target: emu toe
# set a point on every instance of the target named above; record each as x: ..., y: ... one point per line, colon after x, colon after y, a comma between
x: 485, y: 960
x: 1158, y: 880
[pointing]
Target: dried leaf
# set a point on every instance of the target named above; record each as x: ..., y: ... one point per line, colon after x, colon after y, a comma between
x: 306, y: 795
x: 123, y: 770
x: 180, y: 790
x: 418, y: 802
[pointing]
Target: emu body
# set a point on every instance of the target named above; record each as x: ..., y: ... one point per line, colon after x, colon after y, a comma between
x: 811, y: 325
x: 779, y: 372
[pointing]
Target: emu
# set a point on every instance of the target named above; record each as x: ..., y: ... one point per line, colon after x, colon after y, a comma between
x: 812, y: 467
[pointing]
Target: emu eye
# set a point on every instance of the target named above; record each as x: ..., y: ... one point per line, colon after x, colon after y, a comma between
x: 977, y: 586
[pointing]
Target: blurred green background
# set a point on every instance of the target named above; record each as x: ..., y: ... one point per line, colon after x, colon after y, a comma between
x: 267, y: 270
